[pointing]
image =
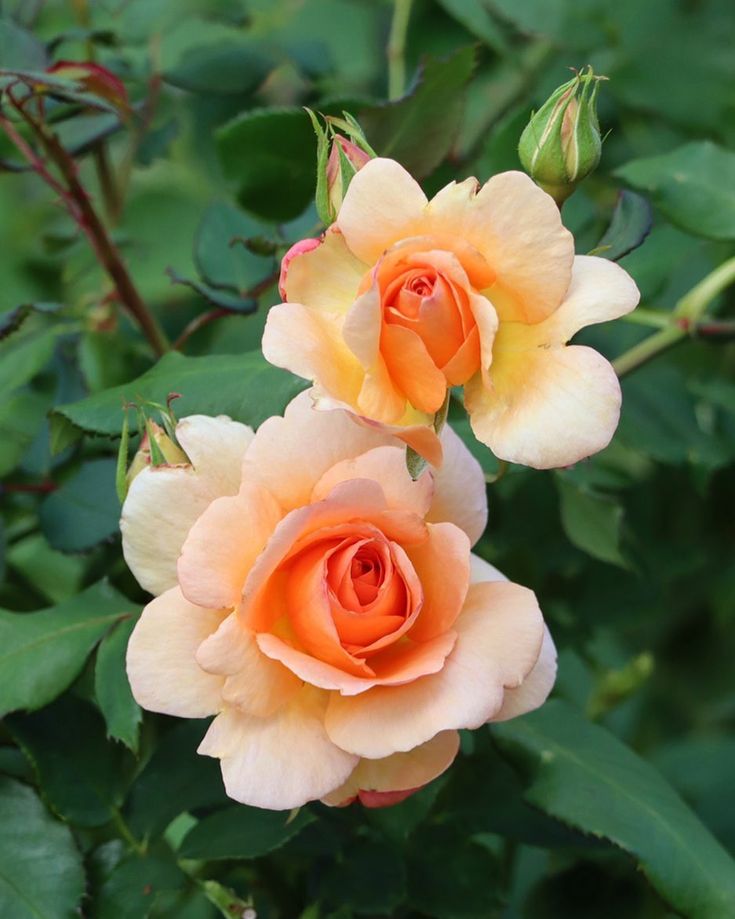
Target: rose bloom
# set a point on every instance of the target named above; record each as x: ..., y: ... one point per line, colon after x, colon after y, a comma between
x: 324, y: 607
x: 479, y: 287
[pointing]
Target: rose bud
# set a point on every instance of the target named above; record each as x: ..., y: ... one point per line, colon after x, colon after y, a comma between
x: 561, y: 144
x: 156, y: 449
x: 339, y: 159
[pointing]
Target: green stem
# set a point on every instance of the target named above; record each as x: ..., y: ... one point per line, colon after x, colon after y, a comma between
x: 654, y: 319
x: 684, y: 320
x: 397, y: 48
x: 125, y: 833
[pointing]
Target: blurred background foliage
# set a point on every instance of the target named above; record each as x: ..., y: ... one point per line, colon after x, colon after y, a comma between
x: 202, y: 181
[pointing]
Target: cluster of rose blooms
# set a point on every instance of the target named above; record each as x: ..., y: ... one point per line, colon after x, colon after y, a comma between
x: 323, y: 603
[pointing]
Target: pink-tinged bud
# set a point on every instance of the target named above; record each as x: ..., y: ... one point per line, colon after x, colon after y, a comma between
x: 94, y: 79
x: 338, y: 159
x: 157, y: 449
x: 345, y: 159
x: 303, y: 245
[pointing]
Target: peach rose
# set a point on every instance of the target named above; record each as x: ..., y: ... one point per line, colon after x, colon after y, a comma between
x: 325, y: 607
x: 478, y: 287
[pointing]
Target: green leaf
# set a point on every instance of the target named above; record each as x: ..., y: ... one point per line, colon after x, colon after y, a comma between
x: 241, y: 832
x: 451, y: 876
x: 269, y: 154
x: 243, y: 386
x: 233, y: 66
x: 584, y: 776
x: 20, y: 48
x: 21, y: 358
x: 630, y: 225
x: 12, y: 320
x: 222, y: 297
x: 478, y: 20
x: 419, y: 129
x: 41, y: 653
x: 112, y: 689
x: 84, y: 511
x: 591, y: 520
x: 81, y: 774
x: 219, y: 253
x: 175, y: 779
x: 694, y: 186
x: 41, y: 873
x: 351, y: 882
x: 21, y: 417
x: 137, y: 885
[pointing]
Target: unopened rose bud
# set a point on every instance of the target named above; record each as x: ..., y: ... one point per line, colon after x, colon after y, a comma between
x: 345, y: 159
x: 156, y: 449
x: 561, y: 144
x: 339, y: 159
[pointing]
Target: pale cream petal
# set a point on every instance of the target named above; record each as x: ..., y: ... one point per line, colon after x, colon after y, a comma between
x: 600, y: 291
x: 460, y: 494
x: 517, y: 227
x: 163, y: 502
x: 327, y: 277
x: 280, y: 762
x: 480, y: 570
x: 548, y: 406
x: 224, y: 543
x: 383, y: 205
x: 162, y: 669
x: 534, y: 690
x: 252, y: 682
x: 500, y: 634
x: 310, y: 344
x: 387, y: 466
x: 375, y: 781
x: 290, y: 454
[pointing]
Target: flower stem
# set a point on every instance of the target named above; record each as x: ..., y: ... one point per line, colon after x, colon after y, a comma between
x: 686, y: 320
x: 397, y: 48
x: 79, y: 206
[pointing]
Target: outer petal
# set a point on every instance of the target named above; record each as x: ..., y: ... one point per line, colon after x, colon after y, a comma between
x: 600, y: 291
x: 442, y: 564
x: 290, y: 454
x: 252, y: 682
x: 383, y: 205
x: 414, y: 429
x: 481, y: 571
x: 379, y: 782
x: 534, y: 690
x: 223, y: 544
x: 500, y: 634
x: 460, y: 495
x: 387, y: 466
x: 323, y: 277
x: 548, y: 406
x: 279, y: 762
x: 164, y: 501
x: 310, y: 344
x: 517, y: 227
x: 163, y: 673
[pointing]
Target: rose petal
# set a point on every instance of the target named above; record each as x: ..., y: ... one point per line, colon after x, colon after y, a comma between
x: 517, y: 227
x: 252, y: 682
x: 460, y: 493
x: 500, y: 634
x: 382, y: 205
x: 548, y: 406
x: 163, y: 502
x: 223, y: 545
x: 163, y: 672
x: 376, y: 781
x: 281, y: 762
x: 534, y: 690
